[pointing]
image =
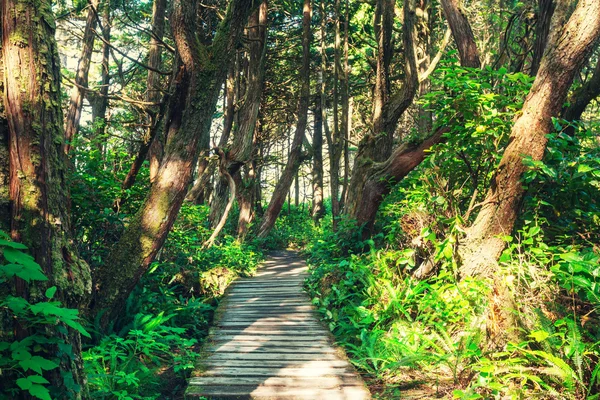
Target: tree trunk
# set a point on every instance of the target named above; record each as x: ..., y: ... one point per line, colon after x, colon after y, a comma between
x: 318, y: 211
x: 4, y: 159
x: 294, y: 159
x: 81, y: 78
x: 345, y: 117
x: 197, y: 86
x: 562, y: 60
x: 333, y: 138
x: 583, y: 96
x: 383, y: 176
x: 542, y: 29
x: 462, y: 33
x: 153, y: 82
x: 243, y: 132
x: 386, y: 110
x: 201, y: 190
x: 38, y: 191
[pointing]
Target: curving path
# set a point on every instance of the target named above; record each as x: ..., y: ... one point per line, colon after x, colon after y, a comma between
x: 268, y: 343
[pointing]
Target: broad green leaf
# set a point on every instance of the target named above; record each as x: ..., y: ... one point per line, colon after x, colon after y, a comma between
x: 50, y: 292
x: 40, y: 392
x: 24, y: 383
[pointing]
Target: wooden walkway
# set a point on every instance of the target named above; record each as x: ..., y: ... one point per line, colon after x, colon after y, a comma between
x: 268, y: 343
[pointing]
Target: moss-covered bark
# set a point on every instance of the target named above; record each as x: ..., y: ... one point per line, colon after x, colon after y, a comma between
x: 196, y: 87
x: 38, y: 192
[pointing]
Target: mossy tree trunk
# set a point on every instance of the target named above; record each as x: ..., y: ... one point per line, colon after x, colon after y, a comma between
x: 295, y: 154
x: 196, y: 87
x: 38, y: 191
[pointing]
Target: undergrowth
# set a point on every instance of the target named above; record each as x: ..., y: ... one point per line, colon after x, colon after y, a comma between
x: 439, y: 332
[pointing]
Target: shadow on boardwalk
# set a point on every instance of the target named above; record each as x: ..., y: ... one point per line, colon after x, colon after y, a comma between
x: 268, y: 343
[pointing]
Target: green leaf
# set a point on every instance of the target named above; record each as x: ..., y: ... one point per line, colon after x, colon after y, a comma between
x: 14, y: 245
x: 40, y: 392
x: 539, y: 336
x: 24, y: 383
x: 50, y: 292
x: 37, y: 379
x: 37, y: 364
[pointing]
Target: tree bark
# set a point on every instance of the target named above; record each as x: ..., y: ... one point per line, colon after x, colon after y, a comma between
x: 38, y: 191
x: 318, y: 211
x: 196, y: 90
x: 562, y: 60
x: 542, y: 29
x: 383, y: 176
x: 334, y: 141
x: 387, y: 110
x: 153, y: 83
x: 294, y: 159
x: 462, y: 33
x: 81, y: 78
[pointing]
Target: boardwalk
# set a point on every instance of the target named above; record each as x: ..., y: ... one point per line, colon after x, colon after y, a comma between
x: 269, y: 344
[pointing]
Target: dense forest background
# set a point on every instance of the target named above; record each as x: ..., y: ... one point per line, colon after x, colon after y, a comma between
x: 436, y: 161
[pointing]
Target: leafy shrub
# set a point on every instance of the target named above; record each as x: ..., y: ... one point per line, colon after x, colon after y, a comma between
x: 25, y: 361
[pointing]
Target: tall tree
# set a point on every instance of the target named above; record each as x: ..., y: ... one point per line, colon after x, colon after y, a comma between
x: 81, y: 77
x: 387, y: 109
x: 39, y: 195
x: 318, y: 211
x: 295, y: 156
x: 564, y: 57
x: 196, y: 88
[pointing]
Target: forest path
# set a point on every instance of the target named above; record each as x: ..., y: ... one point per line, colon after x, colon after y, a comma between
x: 268, y: 343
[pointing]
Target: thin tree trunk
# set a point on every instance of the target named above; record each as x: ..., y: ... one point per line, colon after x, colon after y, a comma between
x: 334, y: 142
x: 318, y: 210
x: 562, y: 60
x: 462, y: 33
x: 38, y: 192
x: 81, y: 77
x: 197, y: 87
x: 154, y: 86
x: 101, y: 103
x: 583, y: 96
x: 542, y: 29
x: 345, y: 120
x: 294, y: 159
x: 232, y: 193
x: 199, y: 193
x: 153, y: 95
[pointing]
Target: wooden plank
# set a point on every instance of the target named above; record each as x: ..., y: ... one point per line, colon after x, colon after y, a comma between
x: 329, y: 382
x: 257, y: 308
x: 267, y: 331
x: 268, y: 318
x: 276, y: 363
x: 270, y: 324
x: 268, y: 372
x: 261, y: 357
x: 244, y: 349
x: 277, y: 393
x: 269, y: 338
